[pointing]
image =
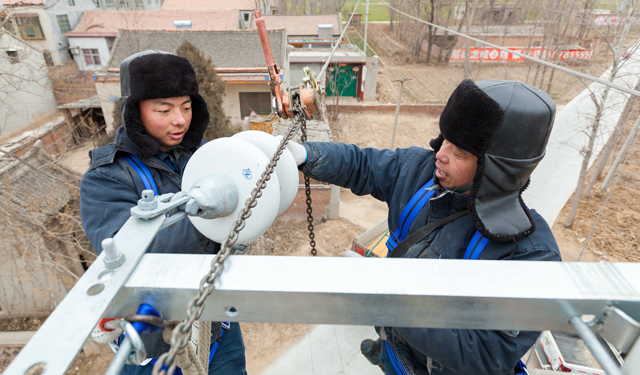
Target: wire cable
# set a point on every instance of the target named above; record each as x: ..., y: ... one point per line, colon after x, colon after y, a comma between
x: 539, y: 61
x: 326, y: 64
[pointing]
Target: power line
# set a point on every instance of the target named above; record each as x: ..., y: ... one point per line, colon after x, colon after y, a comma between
x: 539, y: 61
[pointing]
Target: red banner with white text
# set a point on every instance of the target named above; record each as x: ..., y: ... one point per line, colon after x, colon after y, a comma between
x: 494, y: 54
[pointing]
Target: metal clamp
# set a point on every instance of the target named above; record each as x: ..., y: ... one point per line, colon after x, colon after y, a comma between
x: 621, y: 330
x: 148, y: 208
x: 139, y: 352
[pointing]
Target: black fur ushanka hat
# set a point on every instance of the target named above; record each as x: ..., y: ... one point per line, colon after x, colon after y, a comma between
x: 156, y: 74
x: 506, y: 124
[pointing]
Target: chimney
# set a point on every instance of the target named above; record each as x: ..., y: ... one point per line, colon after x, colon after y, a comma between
x: 183, y: 25
x: 325, y: 31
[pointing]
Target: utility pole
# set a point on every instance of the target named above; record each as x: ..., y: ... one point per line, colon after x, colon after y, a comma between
x: 395, y: 122
x: 366, y: 25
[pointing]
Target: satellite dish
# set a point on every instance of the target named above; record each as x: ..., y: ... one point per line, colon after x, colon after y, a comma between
x: 243, y: 163
x: 286, y: 168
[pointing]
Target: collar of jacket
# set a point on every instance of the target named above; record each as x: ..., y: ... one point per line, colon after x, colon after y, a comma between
x: 446, y: 202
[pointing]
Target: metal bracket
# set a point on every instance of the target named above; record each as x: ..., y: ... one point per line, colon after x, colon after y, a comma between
x: 148, y: 208
x: 621, y: 330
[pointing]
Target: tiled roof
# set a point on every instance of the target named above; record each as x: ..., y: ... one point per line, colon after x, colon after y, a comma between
x: 24, y: 3
x: 232, y: 49
x: 96, y: 23
x: 210, y: 5
x: 302, y: 25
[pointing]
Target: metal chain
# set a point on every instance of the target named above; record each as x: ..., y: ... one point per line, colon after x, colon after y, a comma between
x: 195, y: 307
x: 307, y: 191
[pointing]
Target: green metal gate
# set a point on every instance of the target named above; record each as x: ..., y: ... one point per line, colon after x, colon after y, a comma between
x: 346, y: 81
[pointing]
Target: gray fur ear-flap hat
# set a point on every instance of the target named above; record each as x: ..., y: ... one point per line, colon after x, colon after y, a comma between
x: 156, y: 74
x: 509, y: 134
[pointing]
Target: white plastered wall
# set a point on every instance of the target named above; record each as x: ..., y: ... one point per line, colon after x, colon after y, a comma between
x: 90, y: 43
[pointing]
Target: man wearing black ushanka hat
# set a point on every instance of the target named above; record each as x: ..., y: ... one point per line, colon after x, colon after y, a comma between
x: 164, y: 118
x: 460, y: 201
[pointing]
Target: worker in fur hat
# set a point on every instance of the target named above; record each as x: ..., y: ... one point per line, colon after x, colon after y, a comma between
x: 461, y: 200
x: 164, y: 119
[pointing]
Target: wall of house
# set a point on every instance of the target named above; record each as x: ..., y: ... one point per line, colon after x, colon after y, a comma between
x: 25, y: 93
x: 231, y: 103
x: 296, y: 73
x: 109, y: 94
x: 48, y: 42
x: 101, y: 44
x: 371, y: 79
x: 73, y: 13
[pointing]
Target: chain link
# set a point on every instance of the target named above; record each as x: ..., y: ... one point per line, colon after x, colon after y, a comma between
x: 307, y: 191
x: 195, y: 307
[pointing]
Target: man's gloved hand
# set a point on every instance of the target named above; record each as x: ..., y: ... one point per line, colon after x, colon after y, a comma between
x: 298, y: 151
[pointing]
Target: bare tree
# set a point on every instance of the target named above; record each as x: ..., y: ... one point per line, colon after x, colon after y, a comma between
x: 600, y: 102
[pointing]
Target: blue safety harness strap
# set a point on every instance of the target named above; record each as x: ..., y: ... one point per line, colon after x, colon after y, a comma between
x: 395, y: 362
x: 143, y: 172
x: 409, y: 213
x: 214, y: 347
x: 475, y: 247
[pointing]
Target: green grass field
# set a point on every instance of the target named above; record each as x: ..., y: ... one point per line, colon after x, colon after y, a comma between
x: 354, y: 38
x: 377, y: 12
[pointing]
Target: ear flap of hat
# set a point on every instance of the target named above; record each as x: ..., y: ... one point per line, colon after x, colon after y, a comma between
x: 136, y: 132
x: 495, y: 201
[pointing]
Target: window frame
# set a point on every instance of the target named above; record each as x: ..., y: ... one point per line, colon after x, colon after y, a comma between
x: 92, y: 55
x: 262, y: 106
x: 37, y: 28
x: 66, y: 20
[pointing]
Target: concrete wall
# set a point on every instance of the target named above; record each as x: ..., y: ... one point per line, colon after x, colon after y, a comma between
x: 25, y: 92
x: 109, y: 93
x: 49, y: 41
x: 73, y: 13
x: 231, y: 102
x: 371, y: 79
x: 101, y: 44
x: 296, y: 74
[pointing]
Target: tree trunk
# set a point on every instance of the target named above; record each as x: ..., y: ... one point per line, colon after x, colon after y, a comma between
x: 585, y: 164
x: 445, y: 43
x: 467, y: 63
x: 607, y: 150
x: 430, y: 30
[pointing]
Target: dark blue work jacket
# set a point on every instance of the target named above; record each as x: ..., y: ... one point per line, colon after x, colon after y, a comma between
x: 394, y: 177
x: 111, y: 187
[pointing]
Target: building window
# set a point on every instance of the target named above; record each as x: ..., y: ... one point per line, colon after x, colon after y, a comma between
x: 91, y: 56
x: 29, y: 26
x: 63, y: 22
x: 258, y: 102
x: 47, y: 58
x: 71, y: 2
x: 13, y: 55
